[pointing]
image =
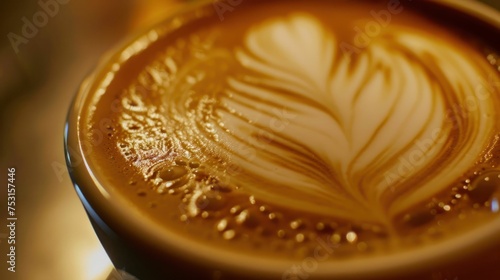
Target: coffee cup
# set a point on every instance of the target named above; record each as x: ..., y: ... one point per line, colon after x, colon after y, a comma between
x: 296, y: 140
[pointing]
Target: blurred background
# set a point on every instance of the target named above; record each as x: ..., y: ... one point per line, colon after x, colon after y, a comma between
x: 39, y: 76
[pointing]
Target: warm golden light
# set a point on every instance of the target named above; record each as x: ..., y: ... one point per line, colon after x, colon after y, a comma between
x: 97, y: 264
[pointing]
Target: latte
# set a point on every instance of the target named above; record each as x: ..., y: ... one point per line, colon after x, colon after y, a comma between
x: 368, y: 127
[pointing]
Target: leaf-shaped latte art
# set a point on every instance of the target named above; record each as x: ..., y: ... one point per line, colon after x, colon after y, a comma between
x: 358, y: 138
x: 292, y: 120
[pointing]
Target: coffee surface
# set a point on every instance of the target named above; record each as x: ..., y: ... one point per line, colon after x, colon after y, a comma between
x: 367, y: 126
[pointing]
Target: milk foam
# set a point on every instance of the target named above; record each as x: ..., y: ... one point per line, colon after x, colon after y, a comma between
x: 350, y: 120
x: 289, y: 118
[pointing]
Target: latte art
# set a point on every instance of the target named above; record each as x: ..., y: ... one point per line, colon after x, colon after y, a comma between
x: 354, y: 118
x: 310, y: 128
x: 266, y: 129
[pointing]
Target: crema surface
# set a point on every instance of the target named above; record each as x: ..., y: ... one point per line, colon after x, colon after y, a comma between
x: 287, y: 124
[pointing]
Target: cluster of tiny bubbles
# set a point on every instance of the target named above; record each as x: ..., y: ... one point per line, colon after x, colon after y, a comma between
x: 480, y: 193
x: 285, y: 232
x: 143, y: 123
x: 239, y: 216
x: 484, y: 190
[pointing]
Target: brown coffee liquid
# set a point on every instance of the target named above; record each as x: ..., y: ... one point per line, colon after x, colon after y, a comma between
x: 287, y: 124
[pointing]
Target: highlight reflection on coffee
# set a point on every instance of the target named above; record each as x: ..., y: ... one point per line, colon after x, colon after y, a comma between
x: 272, y: 128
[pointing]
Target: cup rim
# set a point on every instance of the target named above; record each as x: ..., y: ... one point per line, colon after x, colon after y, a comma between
x: 116, y: 216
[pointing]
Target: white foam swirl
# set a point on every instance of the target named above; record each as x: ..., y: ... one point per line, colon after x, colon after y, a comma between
x: 347, y: 128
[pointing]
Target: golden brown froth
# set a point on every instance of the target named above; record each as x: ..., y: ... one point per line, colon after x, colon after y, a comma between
x: 268, y: 129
